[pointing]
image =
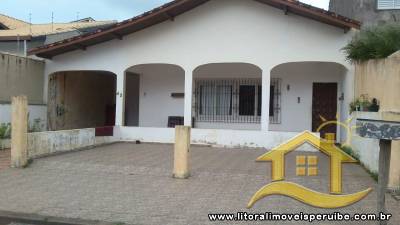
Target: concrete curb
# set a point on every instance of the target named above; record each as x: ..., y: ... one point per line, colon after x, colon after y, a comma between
x: 8, y: 217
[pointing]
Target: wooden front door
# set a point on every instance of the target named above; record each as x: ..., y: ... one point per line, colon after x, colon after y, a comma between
x: 324, y: 105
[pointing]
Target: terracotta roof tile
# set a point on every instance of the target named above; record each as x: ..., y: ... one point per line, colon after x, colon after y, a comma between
x: 20, y: 28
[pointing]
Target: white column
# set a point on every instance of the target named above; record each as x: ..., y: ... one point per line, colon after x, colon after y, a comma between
x: 266, y: 81
x: 120, y: 99
x: 188, y: 96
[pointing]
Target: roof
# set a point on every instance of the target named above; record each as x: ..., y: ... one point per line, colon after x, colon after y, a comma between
x: 12, y: 23
x: 172, y: 9
x: 18, y: 29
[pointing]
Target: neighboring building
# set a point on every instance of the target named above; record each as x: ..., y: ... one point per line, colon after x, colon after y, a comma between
x: 241, y: 72
x: 17, y: 36
x: 21, y: 75
x: 369, y: 12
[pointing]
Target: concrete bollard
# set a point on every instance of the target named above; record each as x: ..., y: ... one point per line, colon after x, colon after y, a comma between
x: 19, y: 132
x: 182, y: 152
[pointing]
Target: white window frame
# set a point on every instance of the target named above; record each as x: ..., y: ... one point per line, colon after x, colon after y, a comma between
x: 387, y: 4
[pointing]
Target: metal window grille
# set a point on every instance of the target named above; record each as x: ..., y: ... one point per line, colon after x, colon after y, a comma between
x: 275, y: 116
x: 231, y: 101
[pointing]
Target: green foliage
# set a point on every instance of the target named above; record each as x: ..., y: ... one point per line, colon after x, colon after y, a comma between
x: 350, y: 151
x: 363, y: 103
x: 374, y: 43
x: 5, y: 130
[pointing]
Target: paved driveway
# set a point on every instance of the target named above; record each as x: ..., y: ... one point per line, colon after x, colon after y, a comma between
x: 133, y: 184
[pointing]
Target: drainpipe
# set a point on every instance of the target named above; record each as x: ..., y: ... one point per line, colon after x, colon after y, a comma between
x: 25, y: 48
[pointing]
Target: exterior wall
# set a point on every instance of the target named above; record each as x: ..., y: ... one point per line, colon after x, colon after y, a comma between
x: 157, y: 83
x: 221, y: 138
x: 300, y: 77
x: 21, y: 76
x: 80, y: 99
x: 370, y: 78
x: 36, y: 112
x: 213, y: 33
x: 365, y: 11
x: 372, y: 75
x: 45, y: 143
x: 187, y: 41
x: 368, y: 150
x: 18, y: 48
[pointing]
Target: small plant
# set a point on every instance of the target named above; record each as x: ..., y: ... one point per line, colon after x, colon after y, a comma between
x: 36, y: 126
x: 350, y: 151
x: 374, y: 107
x: 5, y: 131
x: 374, y: 43
x: 364, y: 104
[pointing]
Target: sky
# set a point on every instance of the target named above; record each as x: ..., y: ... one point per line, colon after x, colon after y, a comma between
x: 40, y: 11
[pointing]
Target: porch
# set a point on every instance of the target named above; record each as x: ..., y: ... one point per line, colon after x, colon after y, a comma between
x: 221, y: 101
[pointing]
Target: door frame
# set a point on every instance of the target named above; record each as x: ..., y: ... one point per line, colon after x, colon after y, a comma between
x: 337, y: 106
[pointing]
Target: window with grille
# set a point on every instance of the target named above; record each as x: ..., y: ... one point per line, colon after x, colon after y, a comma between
x: 234, y: 100
x: 388, y: 4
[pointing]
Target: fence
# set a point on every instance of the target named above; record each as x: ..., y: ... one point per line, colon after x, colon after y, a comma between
x: 235, y: 100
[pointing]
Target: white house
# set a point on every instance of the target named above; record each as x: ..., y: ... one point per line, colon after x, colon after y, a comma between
x: 241, y: 72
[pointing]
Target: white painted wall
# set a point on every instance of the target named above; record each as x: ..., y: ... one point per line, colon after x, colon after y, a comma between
x: 367, y: 149
x: 218, y: 31
x: 157, y: 83
x: 221, y: 138
x: 35, y: 112
x: 45, y: 143
x: 300, y: 77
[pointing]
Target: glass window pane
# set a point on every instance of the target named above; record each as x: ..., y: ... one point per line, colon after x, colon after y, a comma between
x: 206, y: 99
x: 247, y: 94
x: 224, y: 100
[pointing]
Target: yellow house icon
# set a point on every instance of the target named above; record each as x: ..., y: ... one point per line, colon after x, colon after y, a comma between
x: 278, y: 187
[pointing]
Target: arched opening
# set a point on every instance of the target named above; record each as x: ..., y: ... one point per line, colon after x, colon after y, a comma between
x: 305, y: 94
x: 81, y: 99
x: 227, y: 96
x: 154, y: 95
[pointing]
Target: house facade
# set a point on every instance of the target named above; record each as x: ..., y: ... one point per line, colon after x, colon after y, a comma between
x: 369, y: 12
x: 241, y: 73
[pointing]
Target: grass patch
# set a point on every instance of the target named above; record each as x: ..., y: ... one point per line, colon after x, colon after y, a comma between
x: 374, y: 43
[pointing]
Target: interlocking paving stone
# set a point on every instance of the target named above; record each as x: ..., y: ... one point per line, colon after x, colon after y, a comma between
x: 133, y: 184
x: 5, y: 158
